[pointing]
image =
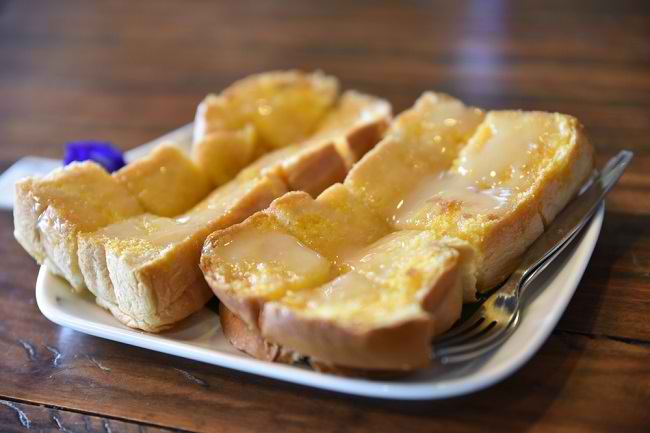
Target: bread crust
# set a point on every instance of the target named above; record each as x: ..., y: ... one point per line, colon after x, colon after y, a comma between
x: 382, y: 352
x: 49, y: 212
x: 153, y: 293
x: 249, y: 341
x: 314, y: 170
x: 262, y: 325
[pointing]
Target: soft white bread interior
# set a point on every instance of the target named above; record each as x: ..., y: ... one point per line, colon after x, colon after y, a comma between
x: 50, y: 211
x: 365, y: 275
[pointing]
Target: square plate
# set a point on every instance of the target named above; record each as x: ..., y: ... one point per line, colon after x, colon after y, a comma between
x: 199, y: 337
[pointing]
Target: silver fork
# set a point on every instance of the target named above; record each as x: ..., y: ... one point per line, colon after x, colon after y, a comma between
x: 499, y: 314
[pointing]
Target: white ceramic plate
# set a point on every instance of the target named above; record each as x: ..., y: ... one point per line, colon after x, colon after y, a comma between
x: 200, y: 338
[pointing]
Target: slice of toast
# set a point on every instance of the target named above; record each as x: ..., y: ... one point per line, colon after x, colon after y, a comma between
x: 222, y: 154
x: 166, y: 182
x: 401, y: 292
x: 325, y: 278
x: 284, y: 107
x: 126, y: 265
x: 49, y: 213
x: 349, y: 130
x: 491, y: 187
x: 256, y: 115
x: 514, y: 175
x: 422, y: 141
x: 144, y: 269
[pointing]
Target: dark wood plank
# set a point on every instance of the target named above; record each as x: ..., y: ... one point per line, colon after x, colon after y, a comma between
x: 614, y: 295
x: 576, y: 382
x: 129, y: 71
x: 18, y: 417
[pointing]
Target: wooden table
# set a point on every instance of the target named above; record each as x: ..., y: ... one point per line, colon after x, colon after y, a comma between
x: 129, y: 71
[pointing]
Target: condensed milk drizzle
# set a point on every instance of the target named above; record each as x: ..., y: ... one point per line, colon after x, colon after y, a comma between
x: 495, y: 165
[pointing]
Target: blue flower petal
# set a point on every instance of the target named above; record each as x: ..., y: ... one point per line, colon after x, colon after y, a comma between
x: 104, y: 154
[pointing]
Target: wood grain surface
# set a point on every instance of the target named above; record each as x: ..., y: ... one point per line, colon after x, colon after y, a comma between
x: 129, y: 71
x: 19, y: 417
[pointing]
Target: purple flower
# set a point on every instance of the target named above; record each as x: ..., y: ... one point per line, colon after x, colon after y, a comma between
x: 104, y: 154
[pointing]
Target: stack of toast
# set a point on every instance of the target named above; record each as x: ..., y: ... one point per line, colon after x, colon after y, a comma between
x: 314, y: 250
x: 134, y: 238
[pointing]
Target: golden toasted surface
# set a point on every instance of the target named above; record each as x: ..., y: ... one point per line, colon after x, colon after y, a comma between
x: 446, y: 203
x: 140, y: 267
x: 349, y: 130
x: 422, y: 141
x: 259, y: 259
x: 222, y: 154
x: 284, y: 107
x: 387, y: 282
x: 492, y: 194
x: 335, y: 224
x: 79, y: 192
x: 50, y: 211
x: 166, y: 182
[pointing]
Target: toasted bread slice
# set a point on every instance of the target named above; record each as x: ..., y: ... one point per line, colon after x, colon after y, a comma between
x: 320, y: 264
x: 144, y: 269
x: 284, y: 107
x: 298, y: 242
x: 83, y: 197
x: 448, y: 201
x: 355, y: 125
x: 516, y: 172
x: 379, y: 314
x: 309, y: 132
x: 166, y: 182
x: 405, y: 289
x: 422, y: 141
x: 222, y: 154
x: 49, y: 213
x: 256, y: 115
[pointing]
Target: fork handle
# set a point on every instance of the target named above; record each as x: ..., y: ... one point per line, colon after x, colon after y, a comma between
x: 570, y: 221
